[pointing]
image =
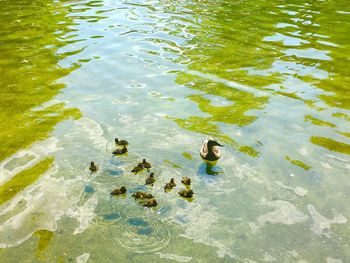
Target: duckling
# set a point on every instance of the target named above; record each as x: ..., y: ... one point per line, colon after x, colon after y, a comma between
x: 150, y: 180
x: 120, y: 151
x: 186, y: 181
x: 142, y: 195
x: 121, y: 142
x: 137, y: 169
x: 93, y: 167
x: 170, y: 185
x: 150, y: 203
x: 146, y: 165
x: 210, y: 151
x: 186, y: 193
x: 120, y: 191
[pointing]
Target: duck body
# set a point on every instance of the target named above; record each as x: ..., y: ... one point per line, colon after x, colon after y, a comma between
x: 142, y: 195
x: 146, y: 165
x: 186, y: 193
x: 150, y: 180
x: 137, y: 169
x: 119, y: 191
x: 186, y: 181
x: 120, y: 151
x: 210, y: 151
x: 93, y: 167
x: 121, y: 142
x: 170, y: 185
x: 150, y: 203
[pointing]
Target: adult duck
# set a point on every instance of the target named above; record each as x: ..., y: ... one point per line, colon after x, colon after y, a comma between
x: 210, y: 151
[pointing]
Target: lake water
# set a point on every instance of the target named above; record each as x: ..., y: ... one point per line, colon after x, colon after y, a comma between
x: 268, y: 79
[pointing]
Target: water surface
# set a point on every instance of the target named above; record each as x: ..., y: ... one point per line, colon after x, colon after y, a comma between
x: 270, y: 80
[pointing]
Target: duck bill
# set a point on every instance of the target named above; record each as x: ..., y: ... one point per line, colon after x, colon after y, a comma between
x: 220, y: 145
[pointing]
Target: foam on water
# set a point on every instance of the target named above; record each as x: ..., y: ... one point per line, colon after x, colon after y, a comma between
x: 284, y: 213
x: 95, y: 133
x: 322, y: 225
x: 84, y: 214
x: 297, y: 190
x: 83, y: 258
x: 198, y: 227
x: 333, y: 260
x: 174, y: 257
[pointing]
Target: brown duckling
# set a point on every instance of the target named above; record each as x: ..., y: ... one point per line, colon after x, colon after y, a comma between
x: 137, y: 169
x: 121, y: 142
x: 120, y: 151
x: 93, y: 167
x: 142, y: 195
x: 146, y: 165
x: 120, y: 191
x: 170, y: 185
x: 186, y: 181
x: 150, y: 203
x: 186, y: 193
x: 150, y: 179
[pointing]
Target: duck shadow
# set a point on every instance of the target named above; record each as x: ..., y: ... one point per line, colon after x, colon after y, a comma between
x: 209, y: 171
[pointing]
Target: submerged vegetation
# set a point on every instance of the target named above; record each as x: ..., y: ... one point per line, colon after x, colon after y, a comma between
x: 29, y: 63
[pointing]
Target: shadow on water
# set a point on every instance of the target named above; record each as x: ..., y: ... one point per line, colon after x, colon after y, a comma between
x: 206, y: 169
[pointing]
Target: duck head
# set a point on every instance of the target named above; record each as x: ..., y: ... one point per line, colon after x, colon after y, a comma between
x: 212, y: 143
x: 123, y: 189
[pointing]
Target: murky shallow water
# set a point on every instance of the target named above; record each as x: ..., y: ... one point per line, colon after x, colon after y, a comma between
x: 269, y: 80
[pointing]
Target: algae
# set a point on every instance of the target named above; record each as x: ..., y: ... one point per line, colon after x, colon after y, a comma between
x: 331, y: 144
x: 298, y: 163
x: 23, y: 179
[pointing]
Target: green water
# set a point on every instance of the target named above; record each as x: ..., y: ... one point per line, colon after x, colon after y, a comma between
x: 269, y: 79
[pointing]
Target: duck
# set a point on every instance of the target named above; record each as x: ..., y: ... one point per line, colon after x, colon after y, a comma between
x: 118, y: 191
x: 121, y: 142
x: 170, y: 185
x: 120, y: 151
x: 150, y: 180
x: 142, y: 195
x: 150, y: 203
x: 186, y: 181
x: 146, y: 165
x: 93, y: 167
x: 137, y: 169
x: 210, y: 151
x: 186, y: 193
